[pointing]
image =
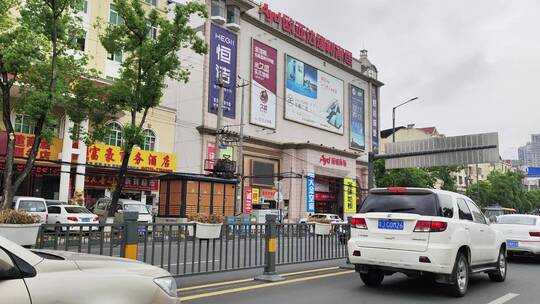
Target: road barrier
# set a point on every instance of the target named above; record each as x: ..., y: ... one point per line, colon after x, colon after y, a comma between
x: 174, y: 247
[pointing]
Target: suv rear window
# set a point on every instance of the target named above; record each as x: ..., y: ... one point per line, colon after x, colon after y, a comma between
x: 32, y: 206
x: 422, y: 204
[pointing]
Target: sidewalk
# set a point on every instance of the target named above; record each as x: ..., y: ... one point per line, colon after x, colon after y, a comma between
x: 194, y: 280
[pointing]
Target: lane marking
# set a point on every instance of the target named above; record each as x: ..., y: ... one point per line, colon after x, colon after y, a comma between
x: 507, y: 297
x: 252, y: 279
x: 266, y: 285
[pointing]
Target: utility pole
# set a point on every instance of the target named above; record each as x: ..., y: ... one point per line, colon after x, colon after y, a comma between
x: 219, y: 113
x: 240, y: 160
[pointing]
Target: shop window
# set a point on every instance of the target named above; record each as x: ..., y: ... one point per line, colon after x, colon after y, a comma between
x: 114, y: 135
x: 233, y: 14
x: 263, y: 173
x: 218, y: 8
x: 149, y: 140
x: 23, y: 124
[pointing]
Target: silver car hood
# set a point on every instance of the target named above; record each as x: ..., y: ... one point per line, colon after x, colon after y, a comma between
x: 98, y: 263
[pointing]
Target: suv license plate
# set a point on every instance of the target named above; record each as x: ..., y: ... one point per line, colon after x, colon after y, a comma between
x: 390, y: 224
x: 512, y: 243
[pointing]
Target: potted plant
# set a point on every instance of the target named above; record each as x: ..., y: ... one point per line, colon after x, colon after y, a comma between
x: 322, y: 226
x: 19, y: 227
x: 208, y: 226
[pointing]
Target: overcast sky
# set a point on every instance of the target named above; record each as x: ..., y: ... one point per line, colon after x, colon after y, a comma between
x: 473, y: 64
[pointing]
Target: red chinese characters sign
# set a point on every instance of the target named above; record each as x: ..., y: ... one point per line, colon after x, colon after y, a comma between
x: 334, y: 161
x: 111, y: 156
x: 24, y: 142
x: 301, y: 32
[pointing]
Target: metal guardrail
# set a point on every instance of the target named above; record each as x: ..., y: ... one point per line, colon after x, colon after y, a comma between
x: 174, y: 248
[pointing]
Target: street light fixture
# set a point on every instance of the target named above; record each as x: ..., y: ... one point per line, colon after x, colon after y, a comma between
x: 394, y: 116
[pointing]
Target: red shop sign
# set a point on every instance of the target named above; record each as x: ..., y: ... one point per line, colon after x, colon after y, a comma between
x: 325, y: 196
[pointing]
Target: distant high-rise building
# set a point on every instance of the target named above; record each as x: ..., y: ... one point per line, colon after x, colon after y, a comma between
x: 529, y: 155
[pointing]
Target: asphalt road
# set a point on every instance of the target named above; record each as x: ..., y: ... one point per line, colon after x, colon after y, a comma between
x: 342, y: 286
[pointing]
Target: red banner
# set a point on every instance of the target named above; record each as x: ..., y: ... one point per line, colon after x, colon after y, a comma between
x: 249, y: 200
x: 325, y: 196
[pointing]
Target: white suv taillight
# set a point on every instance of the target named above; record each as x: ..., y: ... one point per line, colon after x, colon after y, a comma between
x: 359, y: 223
x: 430, y: 226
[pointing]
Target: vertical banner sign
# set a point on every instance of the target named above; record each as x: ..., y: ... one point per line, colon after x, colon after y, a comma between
x: 357, y: 136
x: 255, y: 195
x: 249, y: 201
x: 222, y: 61
x: 263, y: 85
x: 374, y: 119
x: 310, y: 190
x: 349, y: 195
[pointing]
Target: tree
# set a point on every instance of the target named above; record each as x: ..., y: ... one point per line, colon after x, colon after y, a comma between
x: 410, y: 177
x: 151, y: 58
x: 504, y: 189
x: 444, y: 175
x: 36, y: 54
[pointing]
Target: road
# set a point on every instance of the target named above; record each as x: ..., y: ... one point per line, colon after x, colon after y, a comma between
x: 333, y: 285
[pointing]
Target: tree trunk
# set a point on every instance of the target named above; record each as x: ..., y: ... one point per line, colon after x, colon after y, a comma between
x: 7, y: 193
x: 120, y: 179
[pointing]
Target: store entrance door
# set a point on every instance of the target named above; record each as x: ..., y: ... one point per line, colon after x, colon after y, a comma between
x: 326, y: 195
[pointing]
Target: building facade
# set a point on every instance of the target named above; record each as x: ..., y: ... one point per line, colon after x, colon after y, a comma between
x: 529, y: 154
x: 307, y: 109
x: 64, y: 166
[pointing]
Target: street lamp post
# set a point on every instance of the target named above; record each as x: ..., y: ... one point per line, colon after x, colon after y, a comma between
x: 394, y: 117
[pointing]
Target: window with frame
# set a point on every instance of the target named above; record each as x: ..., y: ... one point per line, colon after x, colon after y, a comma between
x: 81, y: 42
x: 114, y: 18
x: 464, y: 211
x: 114, y: 135
x: 233, y: 14
x: 478, y: 216
x: 115, y: 57
x: 23, y: 124
x: 218, y: 8
x: 152, y: 32
x: 152, y: 2
x: 84, y: 7
x: 149, y: 140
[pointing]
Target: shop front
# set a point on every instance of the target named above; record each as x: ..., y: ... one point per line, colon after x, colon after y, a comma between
x: 44, y: 179
x: 142, y: 184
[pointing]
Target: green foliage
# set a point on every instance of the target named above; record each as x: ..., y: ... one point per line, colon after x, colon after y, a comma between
x: 504, y: 189
x: 415, y: 177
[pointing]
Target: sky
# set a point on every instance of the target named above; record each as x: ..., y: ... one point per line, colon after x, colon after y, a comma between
x: 472, y: 64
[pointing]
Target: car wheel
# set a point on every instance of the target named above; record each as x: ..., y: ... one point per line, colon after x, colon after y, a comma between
x: 499, y: 275
x: 372, y: 278
x: 459, y: 279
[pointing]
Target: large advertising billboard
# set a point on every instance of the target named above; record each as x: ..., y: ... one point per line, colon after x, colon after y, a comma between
x: 313, y: 97
x: 222, y: 61
x: 263, y: 85
x: 357, y: 130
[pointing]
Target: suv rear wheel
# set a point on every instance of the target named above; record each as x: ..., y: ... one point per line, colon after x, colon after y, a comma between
x: 459, y: 279
x: 373, y: 277
x: 499, y: 275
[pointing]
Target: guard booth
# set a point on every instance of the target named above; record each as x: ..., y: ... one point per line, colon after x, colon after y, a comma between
x: 181, y: 195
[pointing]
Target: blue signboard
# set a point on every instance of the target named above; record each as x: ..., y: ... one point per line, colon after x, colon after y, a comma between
x: 310, y: 190
x: 222, y: 61
x: 533, y: 172
x: 357, y: 135
x: 374, y: 119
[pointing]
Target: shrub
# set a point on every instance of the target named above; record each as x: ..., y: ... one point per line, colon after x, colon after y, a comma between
x: 206, y: 218
x: 319, y: 220
x: 10, y: 216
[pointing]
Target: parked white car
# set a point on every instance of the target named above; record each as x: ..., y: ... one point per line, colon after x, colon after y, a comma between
x: 418, y: 231
x: 31, y: 205
x: 522, y: 233
x: 49, y: 277
x: 102, y: 205
x: 70, y: 214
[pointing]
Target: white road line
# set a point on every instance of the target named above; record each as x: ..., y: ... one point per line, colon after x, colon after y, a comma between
x: 507, y: 297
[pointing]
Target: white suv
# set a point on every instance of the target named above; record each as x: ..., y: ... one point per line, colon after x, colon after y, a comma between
x: 425, y: 231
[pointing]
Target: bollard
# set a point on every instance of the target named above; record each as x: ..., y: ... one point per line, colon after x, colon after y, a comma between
x: 131, y: 235
x: 348, y: 264
x: 269, y: 274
